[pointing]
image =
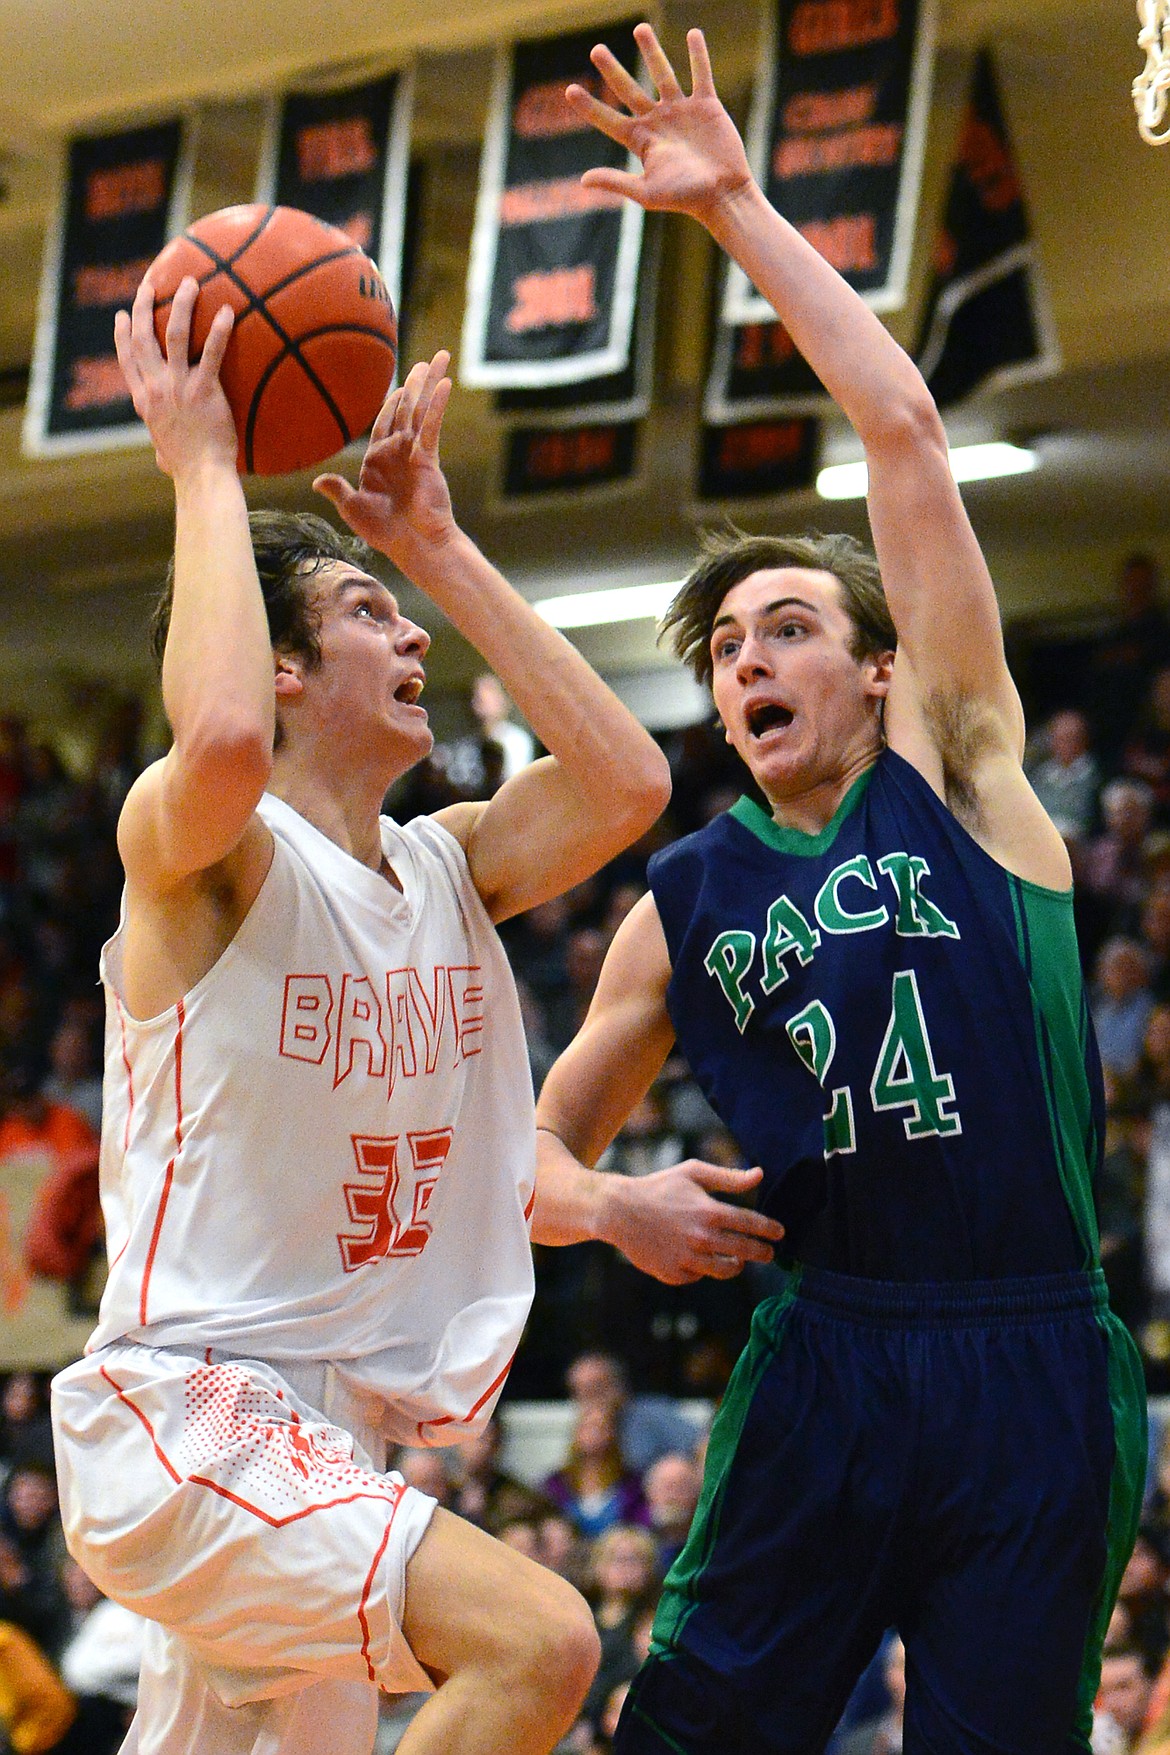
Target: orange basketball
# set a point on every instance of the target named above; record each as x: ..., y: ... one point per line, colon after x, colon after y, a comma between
x: 311, y: 356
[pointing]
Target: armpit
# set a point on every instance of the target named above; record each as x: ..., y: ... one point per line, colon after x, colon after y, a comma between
x: 965, y: 734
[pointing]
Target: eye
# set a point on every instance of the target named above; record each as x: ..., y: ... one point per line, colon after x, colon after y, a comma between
x: 725, y: 648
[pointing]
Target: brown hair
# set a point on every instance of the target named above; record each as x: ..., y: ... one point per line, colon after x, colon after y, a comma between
x: 289, y: 548
x: 729, y: 556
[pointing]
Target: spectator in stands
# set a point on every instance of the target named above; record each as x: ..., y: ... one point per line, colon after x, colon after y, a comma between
x: 1112, y: 869
x: 1127, y: 654
x: 671, y: 1489
x: 622, y: 1581
x: 31, y: 1550
x: 1120, y: 1194
x: 100, y: 1662
x: 1144, y: 1593
x: 1067, y: 778
x: 646, y: 1142
x: 1121, y: 1003
x: 1155, y: 935
x: 1127, y: 1682
x: 30, y: 1121
x: 649, y: 1426
x: 484, y: 1493
x: 881, y: 1735
x: 595, y: 1487
x: 427, y: 1470
x: 585, y: 949
x: 75, y: 1069
x: 25, y: 1430
x: 497, y: 749
x: 1147, y: 753
x: 37, y: 1711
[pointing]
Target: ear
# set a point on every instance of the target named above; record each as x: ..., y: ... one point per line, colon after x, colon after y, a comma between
x: 879, y: 674
x: 288, y: 678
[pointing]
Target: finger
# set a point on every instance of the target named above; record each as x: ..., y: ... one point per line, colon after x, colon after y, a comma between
x: 409, y: 395
x: 723, y: 1178
x: 742, y: 1246
x: 601, y: 116
x: 384, y: 424
x: 336, y: 490
x: 657, y: 64
x: 702, y: 78
x: 179, y: 325
x: 722, y: 1267
x: 436, y: 408
x: 142, y: 333
x: 436, y: 371
x: 125, y: 353
x: 215, y: 346
x: 623, y: 85
x: 628, y: 183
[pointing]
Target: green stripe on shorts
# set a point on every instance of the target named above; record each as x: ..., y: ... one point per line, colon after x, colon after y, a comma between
x: 680, y: 1591
x: 1127, y: 1397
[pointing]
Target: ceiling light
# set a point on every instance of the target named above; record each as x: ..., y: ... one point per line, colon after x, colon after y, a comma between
x: 850, y: 481
x: 622, y: 603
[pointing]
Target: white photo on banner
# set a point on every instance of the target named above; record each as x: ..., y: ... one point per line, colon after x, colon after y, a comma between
x: 545, y: 199
x: 95, y: 255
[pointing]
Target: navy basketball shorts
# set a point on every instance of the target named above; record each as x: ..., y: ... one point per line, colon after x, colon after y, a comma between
x: 962, y: 1462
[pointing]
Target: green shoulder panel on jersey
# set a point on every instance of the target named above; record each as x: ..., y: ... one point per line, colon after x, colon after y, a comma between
x: 1047, y: 944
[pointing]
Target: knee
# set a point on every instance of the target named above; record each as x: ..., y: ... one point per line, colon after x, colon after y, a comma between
x: 561, y: 1649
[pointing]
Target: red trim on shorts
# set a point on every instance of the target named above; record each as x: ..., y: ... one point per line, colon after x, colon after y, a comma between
x: 394, y: 1495
x: 278, y: 1523
x: 531, y: 1204
x: 129, y: 1073
x: 367, y: 1588
x: 450, y: 1420
x: 125, y: 1400
x: 169, y: 1177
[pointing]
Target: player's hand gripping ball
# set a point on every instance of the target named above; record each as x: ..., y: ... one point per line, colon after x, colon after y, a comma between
x: 311, y: 356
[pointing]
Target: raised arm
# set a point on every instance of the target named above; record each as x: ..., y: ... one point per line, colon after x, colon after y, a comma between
x: 191, y: 809
x: 952, y: 694
x: 605, y: 780
x: 669, y: 1224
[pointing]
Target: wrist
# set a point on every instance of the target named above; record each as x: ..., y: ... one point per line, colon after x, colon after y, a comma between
x: 207, y: 470
x: 733, y: 207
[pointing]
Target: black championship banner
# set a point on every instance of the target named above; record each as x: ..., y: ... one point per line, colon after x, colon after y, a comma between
x: 123, y: 196
x: 837, y: 136
x: 540, y: 461
x: 593, y: 422
x: 343, y: 156
x: 553, y: 269
x: 986, y: 321
x: 756, y: 374
x: 757, y: 457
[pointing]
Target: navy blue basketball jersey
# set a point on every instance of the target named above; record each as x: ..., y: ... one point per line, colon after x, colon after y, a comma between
x: 896, y: 1029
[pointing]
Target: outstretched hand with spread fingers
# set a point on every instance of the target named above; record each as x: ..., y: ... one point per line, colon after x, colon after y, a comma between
x: 402, y: 498
x: 692, y: 155
x: 183, y: 405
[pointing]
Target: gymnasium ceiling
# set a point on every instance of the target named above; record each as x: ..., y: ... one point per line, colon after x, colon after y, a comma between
x: 89, y: 532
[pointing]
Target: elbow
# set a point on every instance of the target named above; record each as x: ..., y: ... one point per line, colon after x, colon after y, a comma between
x: 908, y: 424
x: 646, y: 789
x: 229, y: 751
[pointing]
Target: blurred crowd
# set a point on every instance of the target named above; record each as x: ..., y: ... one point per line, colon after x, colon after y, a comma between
x: 632, y: 1359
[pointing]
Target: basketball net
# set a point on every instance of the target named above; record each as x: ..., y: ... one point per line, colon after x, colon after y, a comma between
x: 1151, y: 88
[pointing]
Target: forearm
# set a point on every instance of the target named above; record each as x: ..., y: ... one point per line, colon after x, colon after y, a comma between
x: 570, y: 1198
x: 217, y: 669
x: 579, y: 720
x: 863, y: 368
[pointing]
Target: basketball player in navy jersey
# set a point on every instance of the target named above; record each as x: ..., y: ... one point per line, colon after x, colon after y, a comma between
x: 938, y: 1425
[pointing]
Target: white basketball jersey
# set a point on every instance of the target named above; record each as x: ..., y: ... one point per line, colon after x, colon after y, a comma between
x: 326, y: 1150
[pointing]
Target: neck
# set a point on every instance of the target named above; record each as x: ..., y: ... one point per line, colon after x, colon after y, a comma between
x: 345, y: 809
x: 813, y: 807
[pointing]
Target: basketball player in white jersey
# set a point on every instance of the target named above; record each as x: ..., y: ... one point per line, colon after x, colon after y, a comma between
x: 318, y: 1154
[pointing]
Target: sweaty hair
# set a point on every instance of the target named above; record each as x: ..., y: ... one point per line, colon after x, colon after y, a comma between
x: 729, y: 556
x: 289, y: 548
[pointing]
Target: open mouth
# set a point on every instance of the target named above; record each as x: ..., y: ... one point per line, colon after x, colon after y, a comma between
x: 409, y: 691
x: 767, y: 716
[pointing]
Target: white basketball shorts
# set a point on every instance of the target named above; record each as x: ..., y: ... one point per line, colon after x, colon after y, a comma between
x: 208, y: 1496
